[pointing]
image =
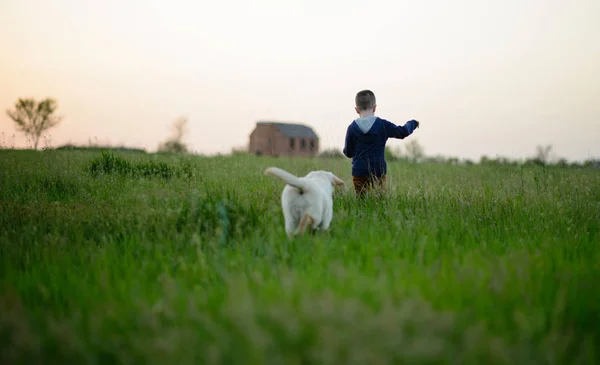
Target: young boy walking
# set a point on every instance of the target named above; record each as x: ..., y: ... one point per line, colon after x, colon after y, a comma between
x: 365, y: 142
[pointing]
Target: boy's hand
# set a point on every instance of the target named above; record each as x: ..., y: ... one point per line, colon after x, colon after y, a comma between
x: 417, y: 123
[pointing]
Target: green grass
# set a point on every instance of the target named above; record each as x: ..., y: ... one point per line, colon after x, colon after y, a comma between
x: 184, y: 260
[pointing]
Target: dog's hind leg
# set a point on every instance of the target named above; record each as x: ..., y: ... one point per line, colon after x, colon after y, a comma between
x: 306, y: 222
x: 290, y: 225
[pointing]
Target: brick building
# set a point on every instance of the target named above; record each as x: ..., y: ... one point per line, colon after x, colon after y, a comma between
x: 283, y: 139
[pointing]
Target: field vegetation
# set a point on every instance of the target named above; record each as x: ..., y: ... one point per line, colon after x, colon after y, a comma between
x: 129, y: 257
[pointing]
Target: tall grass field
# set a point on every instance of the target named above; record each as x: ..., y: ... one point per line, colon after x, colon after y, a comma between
x: 130, y: 258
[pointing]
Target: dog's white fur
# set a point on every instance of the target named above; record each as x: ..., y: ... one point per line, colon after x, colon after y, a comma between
x: 307, y: 202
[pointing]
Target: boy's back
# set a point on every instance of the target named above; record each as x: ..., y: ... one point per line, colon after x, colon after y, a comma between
x: 366, y: 138
x: 365, y: 143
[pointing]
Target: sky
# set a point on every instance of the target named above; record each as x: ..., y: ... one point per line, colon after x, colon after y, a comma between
x: 483, y: 78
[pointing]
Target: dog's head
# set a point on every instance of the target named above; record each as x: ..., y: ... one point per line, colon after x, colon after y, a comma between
x: 327, y: 176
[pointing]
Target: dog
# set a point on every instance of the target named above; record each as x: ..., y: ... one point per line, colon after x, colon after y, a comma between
x: 307, y: 202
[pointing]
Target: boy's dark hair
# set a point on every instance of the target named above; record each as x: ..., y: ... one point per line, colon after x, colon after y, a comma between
x: 365, y: 99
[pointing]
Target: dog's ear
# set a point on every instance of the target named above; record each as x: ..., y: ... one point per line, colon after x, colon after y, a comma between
x: 336, y: 181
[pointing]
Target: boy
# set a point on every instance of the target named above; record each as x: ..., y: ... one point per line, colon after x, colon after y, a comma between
x: 365, y: 142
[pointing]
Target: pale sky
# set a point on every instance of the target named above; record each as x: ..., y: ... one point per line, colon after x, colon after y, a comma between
x: 482, y: 77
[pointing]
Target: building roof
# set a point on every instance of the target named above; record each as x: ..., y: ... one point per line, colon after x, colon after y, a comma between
x: 293, y: 130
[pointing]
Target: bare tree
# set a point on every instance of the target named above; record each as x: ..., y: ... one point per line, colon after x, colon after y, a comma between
x: 33, y: 117
x: 175, y: 143
x: 414, y: 150
x: 180, y: 127
x: 543, y: 153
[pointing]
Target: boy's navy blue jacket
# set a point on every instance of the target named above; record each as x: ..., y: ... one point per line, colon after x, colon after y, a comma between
x: 365, y: 143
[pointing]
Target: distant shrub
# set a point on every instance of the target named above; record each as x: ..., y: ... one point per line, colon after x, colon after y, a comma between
x: 332, y: 153
x: 390, y: 155
x: 71, y: 147
x: 240, y: 151
x: 534, y: 162
x: 172, y: 147
x: 108, y: 163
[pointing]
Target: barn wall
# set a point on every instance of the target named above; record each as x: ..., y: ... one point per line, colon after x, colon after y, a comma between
x: 259, y: 139
x: 297, y: 150
x: 259, y: 142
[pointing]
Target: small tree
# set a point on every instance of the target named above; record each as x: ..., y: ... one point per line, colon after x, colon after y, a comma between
x: 542, y: 155
x: 393, y: 154
x: 180, y: 127
x: 175, y: 144
x: 414, y: 150
x: 33, y: 117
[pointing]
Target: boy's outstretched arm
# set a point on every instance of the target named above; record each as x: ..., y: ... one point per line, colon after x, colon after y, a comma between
x: 400, y: 132
x: 349, y: 144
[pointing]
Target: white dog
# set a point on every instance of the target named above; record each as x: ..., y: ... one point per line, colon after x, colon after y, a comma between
x: 306, y: 201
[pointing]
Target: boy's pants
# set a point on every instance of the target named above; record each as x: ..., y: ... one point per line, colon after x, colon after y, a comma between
x: 363, y: 183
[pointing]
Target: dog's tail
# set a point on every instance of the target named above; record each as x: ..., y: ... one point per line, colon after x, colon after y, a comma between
x: 290, y: 179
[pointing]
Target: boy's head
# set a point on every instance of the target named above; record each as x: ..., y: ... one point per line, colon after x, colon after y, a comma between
x: 365, y: 101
